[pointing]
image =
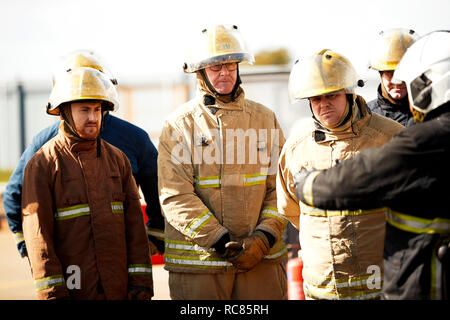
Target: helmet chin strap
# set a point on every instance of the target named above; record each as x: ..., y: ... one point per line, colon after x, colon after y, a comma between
x: 223, y: 97
x: 66, y: 115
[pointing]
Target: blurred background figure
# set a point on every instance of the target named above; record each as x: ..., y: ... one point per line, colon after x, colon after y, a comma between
x: 388, y: 49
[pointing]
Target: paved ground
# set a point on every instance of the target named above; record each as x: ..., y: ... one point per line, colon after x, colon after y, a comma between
x: 15, y: 276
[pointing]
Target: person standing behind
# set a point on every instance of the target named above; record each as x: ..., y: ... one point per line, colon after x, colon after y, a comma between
x: 130, y: 139
x: 336, y: 248
x: 217, y: 183
x: 409, y: 176
x: 82, y: 218
x: 392, y: 100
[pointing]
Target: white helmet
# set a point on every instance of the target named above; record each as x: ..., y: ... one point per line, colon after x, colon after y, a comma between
x: 425, y: 68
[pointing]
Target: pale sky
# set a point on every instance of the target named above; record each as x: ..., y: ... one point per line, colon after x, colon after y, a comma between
x: 149, y: 38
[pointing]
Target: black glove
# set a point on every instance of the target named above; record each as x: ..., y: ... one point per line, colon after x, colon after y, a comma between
x: 299, y: 181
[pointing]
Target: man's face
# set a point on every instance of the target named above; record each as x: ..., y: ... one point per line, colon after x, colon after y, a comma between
x: 87, y: 117
x: 222, y: 77
x: 328, y: 109
x: 396, y: 91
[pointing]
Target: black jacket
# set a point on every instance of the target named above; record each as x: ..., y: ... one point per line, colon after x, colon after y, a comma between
x: 410, y: 175
x: 384, y: 107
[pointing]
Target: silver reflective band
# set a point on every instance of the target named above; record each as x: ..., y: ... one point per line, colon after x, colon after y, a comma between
x: 186, y: 247
x: 72, y: 212
x: 207, y: 182
x: 195, y: 261
x: 277, y: 254
x: 155, y: 233
x: 48, y: 282
x: 273, y: 213
x: 139, y: 269
x: 117, y: 207
x: 253, y: 179
x: 418, y: 225
x: 194, y: 227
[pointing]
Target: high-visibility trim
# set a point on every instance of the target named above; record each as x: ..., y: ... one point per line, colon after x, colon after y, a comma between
x: 329, y: 282
x: 418, y: 225
x: 194, y: 227
x: 312, y: 292
x: 280, y: 250
x: 312, y: 211
x: 18, y: 236
x: 72, y: 212
x: 49, y: 282
x: 117, y: 207
x: 157, y: 233
x: 139, y: 269
x: 436, y: 278
x: 207, y: 182
x: 254, y: 179
x: 307, y: 187
x: 272, y: 212
x: 195, y: 262
x: 186, y: 247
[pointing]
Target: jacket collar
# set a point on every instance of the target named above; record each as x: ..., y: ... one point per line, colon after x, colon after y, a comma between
x: 73, y: 143
x: 360, y: 117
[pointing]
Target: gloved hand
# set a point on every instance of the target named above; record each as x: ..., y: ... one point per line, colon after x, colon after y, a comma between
x: 299, y: 181
x: 137, y: 293
x: 222, y: 251
x: 251, y: 251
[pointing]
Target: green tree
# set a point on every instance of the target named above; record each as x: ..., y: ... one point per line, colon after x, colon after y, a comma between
x: 269, y: 57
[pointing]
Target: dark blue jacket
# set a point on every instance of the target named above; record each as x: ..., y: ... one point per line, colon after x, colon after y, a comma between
x: 131, y: 140
x: 384, y: 107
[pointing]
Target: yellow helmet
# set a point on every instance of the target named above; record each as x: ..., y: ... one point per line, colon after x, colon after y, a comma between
x: 218, y: 44
x: 389, y: 48
x: 322, y: 73
x: 81, y: 58
x: 82, y: 84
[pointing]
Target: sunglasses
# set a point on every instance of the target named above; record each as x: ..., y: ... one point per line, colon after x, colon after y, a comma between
x: 230, y: 66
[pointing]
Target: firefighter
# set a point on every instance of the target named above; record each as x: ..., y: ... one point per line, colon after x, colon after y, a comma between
x: 217, y: 155
x: 336, y: 248
x: 140, y: 151
x: 408, y: 176
x: 82, y: 218
x: 392, y: 99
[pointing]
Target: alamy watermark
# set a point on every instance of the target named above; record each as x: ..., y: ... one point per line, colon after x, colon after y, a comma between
x: 229, y: 146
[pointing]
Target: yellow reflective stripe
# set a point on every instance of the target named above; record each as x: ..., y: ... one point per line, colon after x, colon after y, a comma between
x: 194, y: 227
x: 318, y: 293
x: 72, y: 212
x: 117, y: 207
x: 196, y: 262
x: 418, y: 225
x: 312, y: 211
x: 436, y: 280
x: 49, y: 282
x: 207, y: 182
x: 329, y: 282
x: 272, y: 212
x: 157, y: 233
x: 281, y: 250
x: 18, y: 236
x: 186, y: 247
x: 139, y: 269
x: 307, y: 187
x: 254, y: 179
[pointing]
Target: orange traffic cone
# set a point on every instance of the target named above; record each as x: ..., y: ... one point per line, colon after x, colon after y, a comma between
x: 295, y: 279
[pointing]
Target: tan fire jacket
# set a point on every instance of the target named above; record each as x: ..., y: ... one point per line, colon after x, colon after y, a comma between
x: 217, y: 174
x: 342, y: 251
x: 83, y: 223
